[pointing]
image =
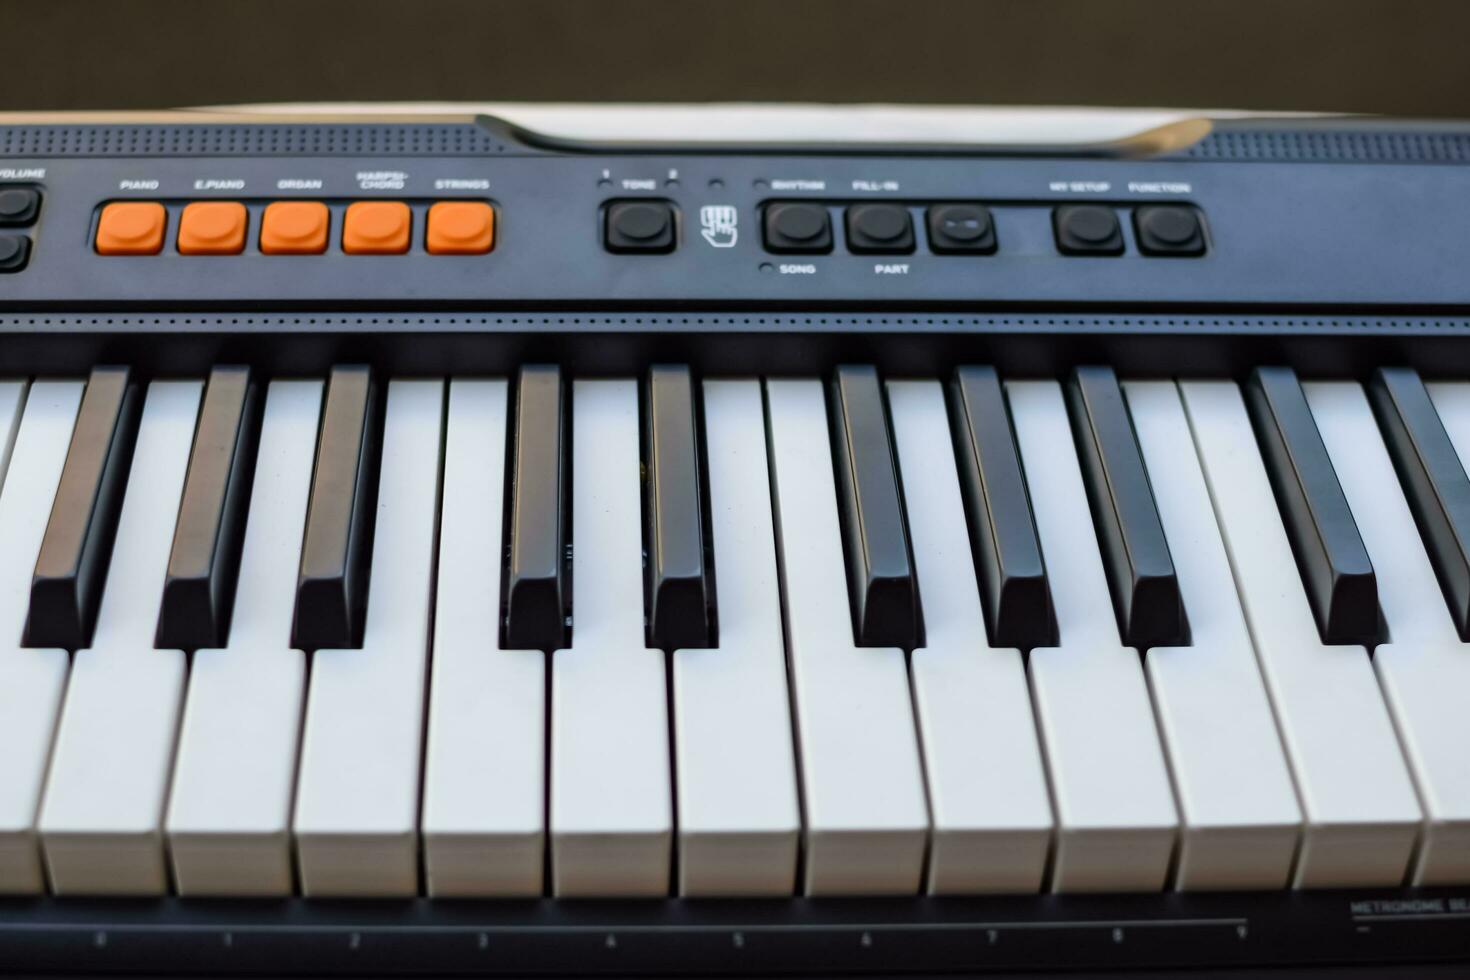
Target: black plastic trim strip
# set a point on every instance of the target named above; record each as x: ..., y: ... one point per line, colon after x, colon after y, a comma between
x: 625, y: 344
x: 909, y: 936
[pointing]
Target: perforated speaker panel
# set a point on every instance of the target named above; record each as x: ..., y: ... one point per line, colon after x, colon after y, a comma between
x: 213, y: 139
x: 1333, y: 145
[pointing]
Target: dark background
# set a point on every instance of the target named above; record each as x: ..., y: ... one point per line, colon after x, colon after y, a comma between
x: 1406, y: 57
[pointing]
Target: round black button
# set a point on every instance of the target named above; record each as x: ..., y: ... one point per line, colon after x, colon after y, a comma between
x: 1171, y: 226
x: 800, y: 222
x: 963, y: 223
x: 1092, y: 224
x: 14, y: 250
x: 18, y: 205
x: 641, y: 222
x: 15, y: 203
x: 881, y: 223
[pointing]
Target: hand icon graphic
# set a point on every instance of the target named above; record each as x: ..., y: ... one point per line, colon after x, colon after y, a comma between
x: 718, y: 225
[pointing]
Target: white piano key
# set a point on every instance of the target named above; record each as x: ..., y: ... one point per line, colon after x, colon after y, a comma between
x: 1424, y: 669
x: 12, y: 403
x: 611, y: 802
x: 992, y: 821
x: 739, y: 817
x: 866, y: 816
x: 229, y: 815
x: 1361, y: 817
x: 31, y: 681
x: 1238, y: 811
x: 1116, y: 821
x: 357, y: 793
x: 484, y: 767
x: 1452, y: 402
x: 102, y: 817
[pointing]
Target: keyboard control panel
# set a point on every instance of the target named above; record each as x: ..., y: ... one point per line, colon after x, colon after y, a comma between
x: 498, y: 219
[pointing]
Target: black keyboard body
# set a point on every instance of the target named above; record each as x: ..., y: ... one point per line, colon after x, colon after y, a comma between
x: 1332, y: 246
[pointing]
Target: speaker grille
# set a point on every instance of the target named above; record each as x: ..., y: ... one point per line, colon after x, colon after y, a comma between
x: 205, y: 139
x: 319, y: 324
x: 1342, y: 146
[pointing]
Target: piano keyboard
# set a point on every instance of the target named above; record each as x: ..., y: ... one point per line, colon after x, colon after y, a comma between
x: 436, y: 548
x: 732, y: 636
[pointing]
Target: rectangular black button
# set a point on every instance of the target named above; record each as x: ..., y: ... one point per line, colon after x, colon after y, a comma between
x: 679, y: 591
x: 1003, y: 539
x: 1134, y: 550
x: 72, y: 565
x: 536, y: 587
x: 1334, y: 564
x: 880, y: 563
x: 1433, y: 477
x: 199, y: 590
x: 331, y: 586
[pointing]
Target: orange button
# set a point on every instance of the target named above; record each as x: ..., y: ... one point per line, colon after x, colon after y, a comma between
x: 131, y: 228
x: 461, y: 228
x: 294, y: 228
x: 376, y: 228
x: 212, y: 228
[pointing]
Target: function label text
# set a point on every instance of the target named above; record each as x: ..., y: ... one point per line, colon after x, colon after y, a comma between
x: 1159, y: 187
x: 1080, y: 186
x: 382, y: 180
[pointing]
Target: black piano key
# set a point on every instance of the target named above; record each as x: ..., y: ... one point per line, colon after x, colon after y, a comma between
x: 1433, y: 477
x: 1135, y: 552
x: 1013, y: 587
x: 199, y: 590
x: 72, y: 565
x: 331, y: 586
x: 680, y: 592
x: 1334, y: 564
x: 880, y: 563
x: 536, y: 575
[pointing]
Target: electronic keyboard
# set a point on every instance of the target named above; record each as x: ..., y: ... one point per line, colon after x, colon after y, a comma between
x: 433, y: 547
